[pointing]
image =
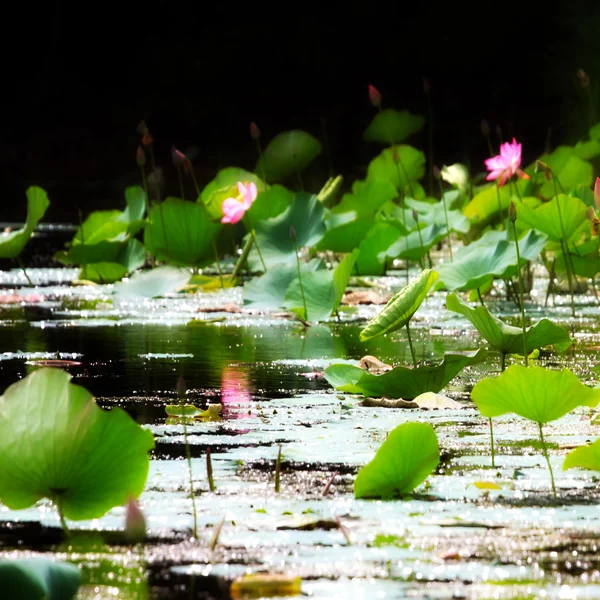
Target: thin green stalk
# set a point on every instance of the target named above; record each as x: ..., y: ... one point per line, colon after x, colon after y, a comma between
x: 412, y: 350
x: 523, y: 324
x: 22, y: 265
x: 398, y: 162
x: 145, y: 186
x: 278, y: 471
x: 446, y: 217
x: 188, y: 456
x: 422, y: 246
x: 210, y: 233
x: 502, y: 361
x: 61, y: 516
x: 480, y: 298
x: 499, y: 205
x: 251, y: 230
x: 209, y: 471
x: 492, y: 444
x: 300, y: 277
x: 242, y: 258
x: 545, y: 449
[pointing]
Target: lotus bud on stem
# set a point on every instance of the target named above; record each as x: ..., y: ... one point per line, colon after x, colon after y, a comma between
x: 584, y: 80
x: 135, y: 522
x: 293, y: 238
x: 181, y: 389
x: 512, y: 216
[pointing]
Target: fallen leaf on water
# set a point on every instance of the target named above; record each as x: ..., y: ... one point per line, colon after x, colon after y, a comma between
x: 260, y: 585
x: 431, y: 400
x: 17, y: 299
x: 373, y: 365
x: 485, y: 485
x: 228, y: 308
x: 53, y: 362
x: 365, y: 297
x: 388, y: 403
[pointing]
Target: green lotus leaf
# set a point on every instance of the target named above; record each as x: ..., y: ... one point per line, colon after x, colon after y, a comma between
x: 534, y: 393
x: 587, y: 150
x: 323, y: 290
x: 401, y: 307
x: 267, y: 292
x: 408, y: 168
x: 390, y: 126
x: 179, y: 232
x: 505, y: 338
x: 401, y: 382
x: 409, y: 454
x: 153, y: 283
x: 38, y: 579
x: 130, y: 257
x: 182, y: 410
x: 13, y: 242
x: 372, y: 259
x: 288, y: 153
x: 585, y: 457
x: 490, y: 256
x: 484, y: 206
x: 56, y: 443
x: 305, y: 214
x: 366, y: 197
x: 432, y: 213
x: 547, y: 217
x: 595, y: 132
x: 416, y: 244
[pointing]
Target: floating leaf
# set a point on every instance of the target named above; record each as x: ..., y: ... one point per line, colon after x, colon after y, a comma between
x: 401, y: 382
x: 38, y: 579
x: 182, y: 410
x: 534, y: 393
x: 486, y: 485
x: 401, y: 307
x: 153, y: 283
x: 390, y: 126
x: 265, y: 585
x: 305, y: 214
x: 288, y: 153
x: 505, y: 338
x: 585, y: 457
x: 406, y: 458
x: 13, y: 242
x: 179, y: 232
x: 56, y: 443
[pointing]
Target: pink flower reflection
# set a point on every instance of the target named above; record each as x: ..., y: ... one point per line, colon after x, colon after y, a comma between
x: 235, y: 394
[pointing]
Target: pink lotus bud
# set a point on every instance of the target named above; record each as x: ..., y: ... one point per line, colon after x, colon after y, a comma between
x: 512, y: 211
x: 436, y: 172
x: 485, y: 128
x: 374, y: 96
x: 181, y: 388
x: 140, y: 157
x: 426, y: 85
x: 597, y: 193
x: 178, y: 157
x: 143, y: 130
x: 541, y: 165
x: 415, y: 215
x: 135, y: 522
x: 254, y: 131
x: 583, y: 78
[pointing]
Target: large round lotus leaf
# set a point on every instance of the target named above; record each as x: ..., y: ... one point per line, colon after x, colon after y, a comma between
x: 38, y: 579
x: 401, y: 165
x: 56, y: 443
x: 505, y: 338
x: 288, y: 153
x: 224, y: 186
x: 179, y: 232
x: 401, y: 307
x: 547, y: 217
x: 534, y: 393
x: 11, y: 243
x: 390, y: 126
x: 585, y: 457
x: 408, y: 456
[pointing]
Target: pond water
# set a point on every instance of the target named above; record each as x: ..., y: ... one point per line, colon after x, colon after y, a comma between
x: 450, y: 540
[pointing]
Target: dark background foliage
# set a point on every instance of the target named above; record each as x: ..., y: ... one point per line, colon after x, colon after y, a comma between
x: 78, y: 79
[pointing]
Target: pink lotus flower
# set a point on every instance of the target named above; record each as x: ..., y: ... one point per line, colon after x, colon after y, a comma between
x: 506, y: 164
x: 597, y: 193
x: 135, y: 522
x: 234, y: 208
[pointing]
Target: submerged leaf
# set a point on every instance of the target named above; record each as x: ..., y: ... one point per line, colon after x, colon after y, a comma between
x: 401, y: 382
x: 401, y: 307
x: 56, y: 443
x: 406, y: 458
x: 505, y: 338
x: 534, y: 393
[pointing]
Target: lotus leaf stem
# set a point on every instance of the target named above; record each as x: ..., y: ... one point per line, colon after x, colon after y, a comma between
x: 523, y: 323
x: 209, y: 471
x: 242, y: 258
x: 447, y: 222
x: 300, y: 277
x: 22, y: 265
x: 499, y: 205
x: 278, y: 471
x: 251, y: 230
x: 545, y: 449
x: 61, y: 516
x: 492, y: 443
x: 412, y: 350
